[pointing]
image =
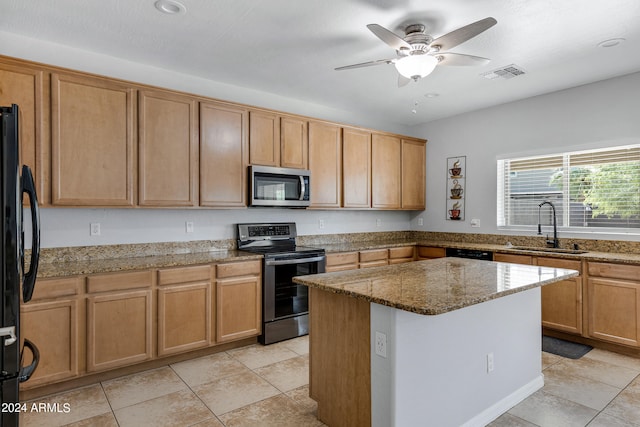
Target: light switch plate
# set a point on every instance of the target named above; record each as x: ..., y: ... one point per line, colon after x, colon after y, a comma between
x: 475, y: 222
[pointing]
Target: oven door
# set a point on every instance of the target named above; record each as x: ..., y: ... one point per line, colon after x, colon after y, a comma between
x: 281, y: 297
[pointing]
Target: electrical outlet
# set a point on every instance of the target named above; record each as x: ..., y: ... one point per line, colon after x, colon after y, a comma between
x: 475, y: 222
x: 189, y: 226
x: 378, y: 222
x: 489, y: 362
x: 381, y: 344
x: 321, y: 224
x: 420, y: 221
x: 94, y: 229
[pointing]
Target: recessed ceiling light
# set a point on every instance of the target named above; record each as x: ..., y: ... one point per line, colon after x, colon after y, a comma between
x: 170, y: 7
x: 432, y: 95
x: 611, y: 42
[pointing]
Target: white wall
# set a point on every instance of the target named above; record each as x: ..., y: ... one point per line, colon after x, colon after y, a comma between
x: 599, y: 114
x: 70, y: 227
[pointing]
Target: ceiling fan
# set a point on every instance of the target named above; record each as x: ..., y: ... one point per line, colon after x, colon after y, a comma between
x: 418, y: 53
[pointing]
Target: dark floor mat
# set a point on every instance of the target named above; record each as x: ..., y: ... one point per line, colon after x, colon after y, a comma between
x: 564, y: 348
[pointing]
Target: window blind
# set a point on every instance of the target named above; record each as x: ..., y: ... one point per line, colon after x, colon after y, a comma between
x: 592, y: 189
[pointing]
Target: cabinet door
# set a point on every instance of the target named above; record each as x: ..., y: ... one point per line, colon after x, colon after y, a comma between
x: 119, y: 322
x: 238, y: 300
x: 614, y: 311
x: 167, y: 149
x: 264, y: 138
x: 562, y: 301
x: 223, y: 155
x: 184, y: 309
x: 401, y: 255
x: 294, y: 143
x: 341, y: 261
x: 325, y: 164
x: 513, y: 258
x: 92, y: 141
x: 385, y: 170
x: 414, y: 174
x: 356, y: 168
x: 24, y: 86
x: 52, y: 322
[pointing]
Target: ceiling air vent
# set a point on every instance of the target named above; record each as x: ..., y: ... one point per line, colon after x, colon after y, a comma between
x: 506, y: 72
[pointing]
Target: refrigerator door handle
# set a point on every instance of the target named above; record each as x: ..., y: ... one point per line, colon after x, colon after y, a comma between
x: 27, y: 371
x: 9, y: 331
x: 29, y: 187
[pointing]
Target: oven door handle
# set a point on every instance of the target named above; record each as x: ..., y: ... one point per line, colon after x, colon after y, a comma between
x: 294, y: 261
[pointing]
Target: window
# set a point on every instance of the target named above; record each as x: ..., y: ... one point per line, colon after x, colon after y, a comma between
x: 596, y: 190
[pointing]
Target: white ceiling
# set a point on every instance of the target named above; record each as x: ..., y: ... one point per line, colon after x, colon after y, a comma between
x: 291, y: 47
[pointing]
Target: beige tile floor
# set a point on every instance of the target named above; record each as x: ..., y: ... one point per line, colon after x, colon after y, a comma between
x: 268, y: 386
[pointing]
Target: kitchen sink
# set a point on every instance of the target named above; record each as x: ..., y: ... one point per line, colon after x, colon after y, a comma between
x: 548, y: 250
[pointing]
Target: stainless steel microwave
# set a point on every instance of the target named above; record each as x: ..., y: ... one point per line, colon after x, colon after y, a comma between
x: 279, y: 187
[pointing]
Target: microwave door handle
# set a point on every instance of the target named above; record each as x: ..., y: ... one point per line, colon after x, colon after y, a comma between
x: 303, y: 188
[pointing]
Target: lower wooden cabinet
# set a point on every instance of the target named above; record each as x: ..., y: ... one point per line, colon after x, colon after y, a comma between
x: 238, y: 300
x: 184, y: 309
x: 429, y: 252
x: 401, y: 255
x: 119, y: 320
x: 53, y: 320
x: 562, y: 301
x: 373, y: 258
x: 614, y: 303
x: 341, y: 261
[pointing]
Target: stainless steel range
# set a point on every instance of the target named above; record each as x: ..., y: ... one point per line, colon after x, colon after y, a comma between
x: 285, y: 305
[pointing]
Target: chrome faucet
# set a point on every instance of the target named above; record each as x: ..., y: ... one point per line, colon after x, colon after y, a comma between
x: 555, y: 243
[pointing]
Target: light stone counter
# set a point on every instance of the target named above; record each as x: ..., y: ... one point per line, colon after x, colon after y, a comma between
x: 436, y: 286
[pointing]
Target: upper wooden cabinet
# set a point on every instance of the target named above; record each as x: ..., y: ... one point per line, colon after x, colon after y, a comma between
x: 294, y: 144
x: 325, y: 164
x: 264, y: 138
x: 223, y: 155
x: 414, y: 174
x: 356, y: 168
x: 25, y: 87
x: 386, y: 186
x: 276, y: 140
x: 92, y: 142
x: 167, y: 149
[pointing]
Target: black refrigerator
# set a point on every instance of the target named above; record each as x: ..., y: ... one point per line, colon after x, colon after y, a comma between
x: 16, y: 180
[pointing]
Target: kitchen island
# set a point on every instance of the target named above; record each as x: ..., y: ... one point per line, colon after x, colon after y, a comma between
x: 443, y: 342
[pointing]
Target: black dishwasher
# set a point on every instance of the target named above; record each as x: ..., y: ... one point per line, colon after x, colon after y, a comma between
x: 470, y: 253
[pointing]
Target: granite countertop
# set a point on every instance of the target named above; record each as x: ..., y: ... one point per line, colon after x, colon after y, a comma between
x: 107, y: 265
x: 436, y: 286
x: 618, y: 257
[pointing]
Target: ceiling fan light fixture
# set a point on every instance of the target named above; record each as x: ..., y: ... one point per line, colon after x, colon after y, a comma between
x: 416, y: 66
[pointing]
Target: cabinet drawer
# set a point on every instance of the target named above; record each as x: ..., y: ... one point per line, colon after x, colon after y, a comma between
x: 430, y: 252
x: 404, y: 252
x: 56, y: 288
x: 119, y: 281
x: 235, y: 269
x: 373, y: 255
x: 378, y: 263
x: 343, y: 258
x: 560, y: 263
x: 616, y: 271
x: 516, y: 259
x: 198, y: 273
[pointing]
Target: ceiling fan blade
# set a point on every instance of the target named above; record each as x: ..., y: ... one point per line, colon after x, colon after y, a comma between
x: 402, y: 80
x: 462, y: 34
x: 458, y: 59
x: 388, y: 37
x: 367, y: 64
